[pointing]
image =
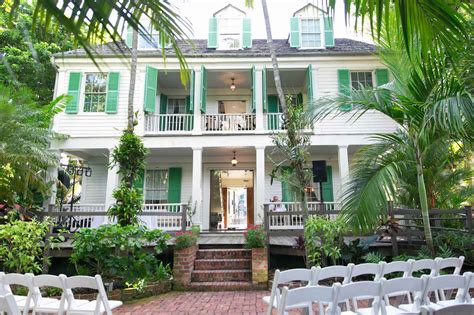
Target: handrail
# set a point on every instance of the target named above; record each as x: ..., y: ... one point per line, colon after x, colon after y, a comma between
x: 229, y: 122
x: 155, y: 123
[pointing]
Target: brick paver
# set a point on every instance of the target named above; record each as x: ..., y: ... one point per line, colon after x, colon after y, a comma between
x: 230, y: 302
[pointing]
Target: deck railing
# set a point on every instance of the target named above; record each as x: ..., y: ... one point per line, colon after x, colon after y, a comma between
x: 228, y: 122
x: 82, y: 216
x: 156, y: 123
x: 274, y: 121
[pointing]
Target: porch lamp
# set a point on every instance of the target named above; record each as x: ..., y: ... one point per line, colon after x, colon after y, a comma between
x: 232, y: 86
x: 234, y: 160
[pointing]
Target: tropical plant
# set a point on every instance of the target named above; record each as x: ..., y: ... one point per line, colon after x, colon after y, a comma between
x: 184, y: 240
x: 119, y: 253
x: 25, y: 137
x: 255, y: 237
x: 429, y: 100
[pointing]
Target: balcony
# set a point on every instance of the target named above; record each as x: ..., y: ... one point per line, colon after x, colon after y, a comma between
x: 274, y: 121
x: 228, y: 122
x: 171, y: 123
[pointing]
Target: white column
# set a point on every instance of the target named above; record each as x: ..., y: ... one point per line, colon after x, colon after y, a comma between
x: 343, y: 159
x: 259, y: 101
x: 315, y: 82
x: 259, y: 184
x: 112, y: 183
x: 138, y: 100
x: 197, y: 101
x: 197, y: 188
x: 52, y: 178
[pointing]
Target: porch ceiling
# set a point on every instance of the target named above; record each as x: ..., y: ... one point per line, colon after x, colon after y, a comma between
x: 290, y: 78
x: 223, y: 79
x: 228, y: 151
x: 169, y: 79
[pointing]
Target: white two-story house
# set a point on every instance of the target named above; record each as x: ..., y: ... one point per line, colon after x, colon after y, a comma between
x: 209, y: 141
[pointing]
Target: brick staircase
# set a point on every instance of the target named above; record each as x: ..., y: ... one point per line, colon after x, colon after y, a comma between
x: 222, y: 269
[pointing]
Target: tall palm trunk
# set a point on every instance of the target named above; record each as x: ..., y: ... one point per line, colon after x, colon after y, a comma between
x: 133, y: 78
x: 423, y: 199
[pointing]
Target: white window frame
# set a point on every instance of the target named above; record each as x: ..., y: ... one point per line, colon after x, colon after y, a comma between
x: 82, y: 96
x: 219, y: 33
x: 175, y: 98
x: 152, y: 32
x: 145, y: 183
x: 372, y: 73
x: 321, y: 30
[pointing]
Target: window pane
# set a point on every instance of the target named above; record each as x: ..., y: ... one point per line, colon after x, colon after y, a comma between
x: 95, y: 92
x: 156, y: 186
x: 361, y: 78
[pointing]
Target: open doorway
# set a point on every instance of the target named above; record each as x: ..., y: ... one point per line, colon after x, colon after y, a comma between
x: 231, y: 199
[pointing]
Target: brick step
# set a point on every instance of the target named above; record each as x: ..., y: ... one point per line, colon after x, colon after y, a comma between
x: 221, y: 275
x: 235, y: 253
x: 222, y: 264
x: 224, y: 286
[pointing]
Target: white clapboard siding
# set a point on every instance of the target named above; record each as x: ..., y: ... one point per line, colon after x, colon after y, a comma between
x: 94, y: 187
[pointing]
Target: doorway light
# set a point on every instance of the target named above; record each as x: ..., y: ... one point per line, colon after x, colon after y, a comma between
x: 234, y: 160
x: 232, y: 86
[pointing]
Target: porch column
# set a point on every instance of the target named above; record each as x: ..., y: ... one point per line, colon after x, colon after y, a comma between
x: 197, y: 101
x: 197, y: 187
x: 343, y: 159
x: 259, y: 184
x: 259, y: 100
x: 51, y: 177
x: 112, y: 183
x: 314, y: 80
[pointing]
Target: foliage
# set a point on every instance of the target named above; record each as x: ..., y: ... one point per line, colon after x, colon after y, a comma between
x: 324, y: 238
x: 27, y: 54
x: 130, y: 156
x: 119, y: 252
x: 21, y: 245
x: 24, y: 142
x: 355, y: 251
x: 196, y: 230
x: 255, y: 237
x: 191, y: 210
x: 185, y: 240
x: 373, y: 257
x: 459, y: 244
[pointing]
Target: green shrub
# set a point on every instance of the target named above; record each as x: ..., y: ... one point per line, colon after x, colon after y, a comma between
x: 184, y: 240
x: 196, y: 230
x: 458, y: 243
x: 255, y: 237
x: 373, y: 257
x: 118, y: 253
x: 128, y: 204
x: 324, y: 238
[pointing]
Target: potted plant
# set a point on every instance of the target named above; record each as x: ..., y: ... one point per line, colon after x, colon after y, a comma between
x: 184, y: 255
x: 255, y: 239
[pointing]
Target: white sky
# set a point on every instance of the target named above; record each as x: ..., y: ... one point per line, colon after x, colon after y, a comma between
x: 198, y: 13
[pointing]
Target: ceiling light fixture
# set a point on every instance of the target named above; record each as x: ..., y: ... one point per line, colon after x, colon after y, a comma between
x: 234, y: 160
x: 232, y: 86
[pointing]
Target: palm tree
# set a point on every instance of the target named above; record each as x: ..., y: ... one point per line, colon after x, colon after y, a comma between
x: 133, y: 79
x: 429, y: 100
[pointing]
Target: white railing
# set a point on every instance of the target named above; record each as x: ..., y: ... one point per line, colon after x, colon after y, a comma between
x: 171, y: 220
x: 155, y: 123
x: 228, y: 122
x: 74, y: 223
x: 274, y: 121
x: 287, y: 215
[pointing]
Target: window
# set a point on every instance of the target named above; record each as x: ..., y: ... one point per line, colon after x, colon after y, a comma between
x: 230, y: 33
x: 149, y: 41
x: 95, y: 92
x: 176, y: 106
x: 156, y: 186
x: 310, y: 33
x: 361, y: 78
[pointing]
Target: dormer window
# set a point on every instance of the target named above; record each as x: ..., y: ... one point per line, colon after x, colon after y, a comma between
x: 310, y: 33
x: 230, y: 33
x: 311, y: 28
x: 229, y: 29
x: 149, y: 41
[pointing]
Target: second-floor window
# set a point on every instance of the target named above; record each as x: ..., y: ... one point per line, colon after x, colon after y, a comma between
x: 176, y: 106
x: 230, y: 33
x: 150, y: 41
x: 156, y: 186
x: 361, y: 79
x: 310, y: 33
x: 95, y: 92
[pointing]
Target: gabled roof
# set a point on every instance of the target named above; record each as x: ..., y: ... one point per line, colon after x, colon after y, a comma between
x: 227, y: 6
x: 308, y: 5
x: 198, y: 48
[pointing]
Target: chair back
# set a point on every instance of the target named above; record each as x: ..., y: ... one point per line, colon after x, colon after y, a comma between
x: 453, y: 262
x: 360, y: 290
x: 304, y: 295
x: 403, y: 267
x: 48, y: 281
x: 423, y: 264
x: 299, y: 274
x: 366, y: 269
x: 469, y: 285
x: 94, y: 283
x: 446, y: 282
x: 343, y: 272
x: 8, y: 305
x: 400, y: 286
x: 24, y: 280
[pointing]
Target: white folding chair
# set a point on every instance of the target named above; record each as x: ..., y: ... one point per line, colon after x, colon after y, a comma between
x: 49, y: 305
x: 284, y: 277
x: 8, y: 305
x: 399, y: 286
x: 460, y: 309
x: 360, y: 290
x: 368, y: 269
x: 24, y: 280
x: 99, y: 306
x: 447, y: 263
x: 423, y: 264
x: 295, y: 298
x: 469, y: 285
x: 446, y: 282
x: 395, y: 267
x: 335, y: 273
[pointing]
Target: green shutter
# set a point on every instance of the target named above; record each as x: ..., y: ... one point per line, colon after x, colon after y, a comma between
x: 111, y: 103
x: 381, y: 76
x: 272, y: 108
x: 212, y: 36
x: 254, y: 83
x: 174, y: 184
x: 295, y: 32
x: 129, y: 38
x: 203, y: 89
x: 190, y: 103
x: 163, y: 111
x: 264, y: 89
x: 328, y: 194
x: 189, y: 123
x: 151, y: 80
x: 74, y: 90
x: 344, y: 86
x: 286, y: 194
x: 246, y: 33
x: 328, y: 32
x: 309, y: 84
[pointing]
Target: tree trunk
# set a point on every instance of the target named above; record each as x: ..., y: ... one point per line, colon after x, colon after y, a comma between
x: 133, y: 78
x: 423, y: 199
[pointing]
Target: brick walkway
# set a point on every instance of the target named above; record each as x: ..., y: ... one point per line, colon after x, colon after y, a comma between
x: 233, y: 302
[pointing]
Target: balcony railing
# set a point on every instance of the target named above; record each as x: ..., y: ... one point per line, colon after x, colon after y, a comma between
x: 156, y: 123
x: 228, y: 122
x: 171, y: 216
x: 84, y: 220
x: 274, y: 121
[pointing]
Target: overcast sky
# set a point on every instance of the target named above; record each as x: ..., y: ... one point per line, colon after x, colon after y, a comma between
x: 199, y: 11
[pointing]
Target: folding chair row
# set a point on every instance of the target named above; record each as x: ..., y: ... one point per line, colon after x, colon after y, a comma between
x: 36, y: 303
